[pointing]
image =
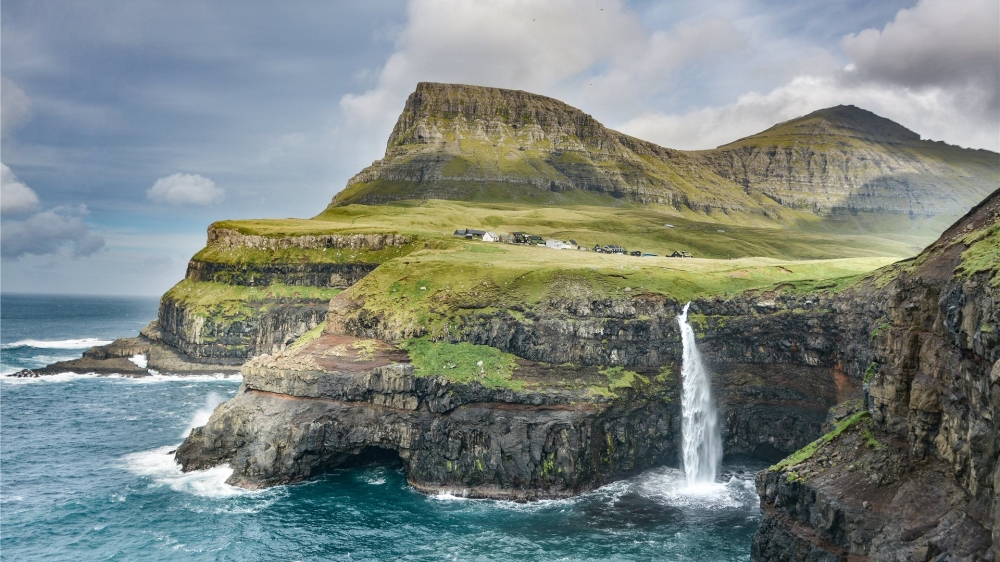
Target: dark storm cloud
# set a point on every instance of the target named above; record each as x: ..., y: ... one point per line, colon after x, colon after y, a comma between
x: 124, y: 93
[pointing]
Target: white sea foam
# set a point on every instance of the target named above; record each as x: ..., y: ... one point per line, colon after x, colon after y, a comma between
x: 159, y: 464
x: 82, y: 343
x: 56, y: 378
x: 155, y: 377
x: 201, y: 416
x: 150, y: 379
x: 447, y: 495
x: 139, y: 359
x: 670, y: 486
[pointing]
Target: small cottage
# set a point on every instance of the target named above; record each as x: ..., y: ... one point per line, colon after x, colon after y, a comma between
x: 491, y: 237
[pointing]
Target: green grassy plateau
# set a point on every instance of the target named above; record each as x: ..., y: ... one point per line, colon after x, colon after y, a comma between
x: 420, y: 288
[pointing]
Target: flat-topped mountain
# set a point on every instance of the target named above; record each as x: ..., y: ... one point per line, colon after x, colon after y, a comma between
x: 489, y: 144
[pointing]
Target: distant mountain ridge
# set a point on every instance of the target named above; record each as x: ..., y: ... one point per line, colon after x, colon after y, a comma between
x: 489, y: 144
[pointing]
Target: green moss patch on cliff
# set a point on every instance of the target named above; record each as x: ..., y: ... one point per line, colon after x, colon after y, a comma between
x: 983, y: 253
x: 463, y: 362
x: 207, y: 298
x: 805, y: 453
x: 619, y: 378
x: 309, y: 336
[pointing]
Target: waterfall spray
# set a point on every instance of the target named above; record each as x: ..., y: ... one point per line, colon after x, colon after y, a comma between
x: 702, y: 445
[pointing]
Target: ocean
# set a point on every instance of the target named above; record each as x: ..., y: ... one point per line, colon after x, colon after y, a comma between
x: 86, y: 473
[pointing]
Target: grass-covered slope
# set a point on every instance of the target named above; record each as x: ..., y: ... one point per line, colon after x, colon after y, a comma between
x: 842, y: 161
x: 634, y: 228
x: 843, y: 166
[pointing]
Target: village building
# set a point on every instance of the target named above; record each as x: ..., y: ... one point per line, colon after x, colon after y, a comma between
x: 558, y: 244
x: 491, y: 237
x: 469, y: 233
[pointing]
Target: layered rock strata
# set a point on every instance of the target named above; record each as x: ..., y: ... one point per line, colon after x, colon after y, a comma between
x: 257, y: 327
x: 287, y: 424
x: 778, y: 372
x: 780, y: 360
x: 327, y: 275
x: 475, y: 143
x: 919, y: 479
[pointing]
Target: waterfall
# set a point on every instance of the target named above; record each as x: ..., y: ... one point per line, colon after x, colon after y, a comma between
x: 699, y: 427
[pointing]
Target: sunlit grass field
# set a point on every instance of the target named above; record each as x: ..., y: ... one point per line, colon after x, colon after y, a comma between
x: 422, y: 285
x: 714, y: 236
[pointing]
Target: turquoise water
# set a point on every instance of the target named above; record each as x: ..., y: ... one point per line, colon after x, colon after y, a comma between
x: 86, y: 474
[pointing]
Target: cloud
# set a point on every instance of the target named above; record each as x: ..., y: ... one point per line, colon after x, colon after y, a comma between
x: 56, y: 231
x: 936, y: 111
x: 934, y: 69
x: 935, y: 43
x: 544, y: 47
x: 185, y: 189
x: 15, y: 106
x: 15, y: 197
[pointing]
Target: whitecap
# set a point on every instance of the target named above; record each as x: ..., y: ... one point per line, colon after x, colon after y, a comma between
x: 156, y: 377
x: 159, y: 465
x: 70, y: 376
x: 81, y: 343
x: 447, y: 496
x: 139, y: 359
x: 56, y: 378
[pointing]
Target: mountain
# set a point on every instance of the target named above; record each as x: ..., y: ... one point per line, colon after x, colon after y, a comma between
x: 475, y: 143
x: 848, y: 160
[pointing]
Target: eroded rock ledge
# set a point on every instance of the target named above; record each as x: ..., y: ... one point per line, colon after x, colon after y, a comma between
x: 287, y: 425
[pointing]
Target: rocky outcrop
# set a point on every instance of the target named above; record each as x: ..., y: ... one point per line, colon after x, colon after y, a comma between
x: 780, y: 361
x: 238, y: 332
x: 287, y: 425
x: 117, y: 357
x: 918, y: 481
x: 331, y: 275
x: 229, y: 239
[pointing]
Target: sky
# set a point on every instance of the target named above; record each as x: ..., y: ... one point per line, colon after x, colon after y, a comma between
x: 128, y: 126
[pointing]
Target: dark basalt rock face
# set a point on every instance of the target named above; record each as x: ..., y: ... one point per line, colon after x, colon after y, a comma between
x: 286, y: 426
x: 919, y: 481
x: 778, y: 369
x: 332, y: 275
x: 779, y: 361
x: 220, y: 340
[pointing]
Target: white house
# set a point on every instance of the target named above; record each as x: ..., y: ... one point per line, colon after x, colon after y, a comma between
x: 558, y: 244
x: 491, y: 237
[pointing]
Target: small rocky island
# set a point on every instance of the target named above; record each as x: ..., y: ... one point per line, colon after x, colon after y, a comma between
x: 371, y: 334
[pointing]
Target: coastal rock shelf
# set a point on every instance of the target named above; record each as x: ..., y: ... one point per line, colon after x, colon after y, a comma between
x: 326, y: 404
x: 286, y: 425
